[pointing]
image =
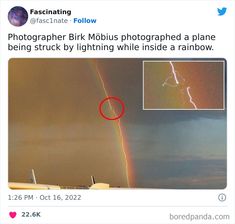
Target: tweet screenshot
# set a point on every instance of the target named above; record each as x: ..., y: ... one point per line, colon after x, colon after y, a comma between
x: 117, y: 112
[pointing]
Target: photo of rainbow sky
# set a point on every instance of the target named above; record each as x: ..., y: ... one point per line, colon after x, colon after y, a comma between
x: 191, y: 85
x: 59, y: 125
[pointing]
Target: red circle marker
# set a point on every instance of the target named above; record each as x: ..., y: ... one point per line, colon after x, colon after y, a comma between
x: 117, y: 100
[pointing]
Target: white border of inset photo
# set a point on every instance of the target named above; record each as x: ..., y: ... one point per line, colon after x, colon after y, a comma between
x: 188, y: 60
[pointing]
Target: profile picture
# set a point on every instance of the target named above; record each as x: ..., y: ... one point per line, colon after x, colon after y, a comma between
x: 17, y: 16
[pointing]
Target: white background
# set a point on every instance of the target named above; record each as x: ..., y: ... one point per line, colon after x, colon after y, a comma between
x: 145, y: 17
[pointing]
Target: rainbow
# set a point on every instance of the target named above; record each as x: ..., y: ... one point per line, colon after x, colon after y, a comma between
x: 117, y: 126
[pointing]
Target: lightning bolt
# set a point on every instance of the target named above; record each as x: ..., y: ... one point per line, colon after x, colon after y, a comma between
x: 190, y: 98
x: 118, y: 124
x: 176, y: 80
x: 174, y: 75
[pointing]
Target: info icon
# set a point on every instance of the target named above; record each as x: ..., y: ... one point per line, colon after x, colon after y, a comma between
x: 18, y: 16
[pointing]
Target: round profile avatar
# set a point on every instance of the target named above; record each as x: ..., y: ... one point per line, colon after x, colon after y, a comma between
x: 17, y: 16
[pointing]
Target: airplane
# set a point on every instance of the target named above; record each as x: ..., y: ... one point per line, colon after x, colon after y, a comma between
x: 35, y: 186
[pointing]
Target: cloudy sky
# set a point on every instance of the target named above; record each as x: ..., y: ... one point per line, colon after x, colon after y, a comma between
x: 55, y: 127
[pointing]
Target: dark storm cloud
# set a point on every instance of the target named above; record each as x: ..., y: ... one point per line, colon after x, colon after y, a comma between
x: 124, y: 79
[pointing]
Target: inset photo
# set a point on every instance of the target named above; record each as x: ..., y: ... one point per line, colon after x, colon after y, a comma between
x: 184, y: 84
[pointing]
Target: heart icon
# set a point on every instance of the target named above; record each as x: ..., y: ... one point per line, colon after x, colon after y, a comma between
x: 12, y: 214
